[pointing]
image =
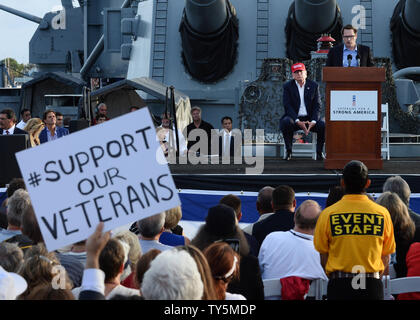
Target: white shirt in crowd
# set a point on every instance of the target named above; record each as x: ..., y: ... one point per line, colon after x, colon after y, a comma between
x: 94, y: 280
x: 21, y: 125
x: 290, y: 253
x: 9, y: 131
x: 227, y: 136
x: 234, y: 296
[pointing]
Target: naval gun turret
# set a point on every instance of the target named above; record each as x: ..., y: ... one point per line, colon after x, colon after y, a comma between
x: 306, y: 21
x: 209, y: 35
x: 89, y: 38
x: 57, y: 44
x: 405, y: 28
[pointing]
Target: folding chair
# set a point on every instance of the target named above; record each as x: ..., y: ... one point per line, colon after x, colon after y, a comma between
x: 385, y: 132
x: 304, y: 148
x: 400, y: 285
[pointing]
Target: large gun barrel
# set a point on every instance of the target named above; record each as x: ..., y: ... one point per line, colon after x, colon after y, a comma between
x: 21, y: 14
x: 306, y: 21
x: 315, y: 15
x: 411, y: 15
x: 206, y: 16
x: 405, y: 28
x: 209, y: 35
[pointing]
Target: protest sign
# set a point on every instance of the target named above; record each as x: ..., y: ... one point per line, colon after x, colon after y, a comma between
x: 108, y: 172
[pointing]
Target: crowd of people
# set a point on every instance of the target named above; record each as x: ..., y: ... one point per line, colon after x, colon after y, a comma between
x: 49, y: 128
x: 353, y: 236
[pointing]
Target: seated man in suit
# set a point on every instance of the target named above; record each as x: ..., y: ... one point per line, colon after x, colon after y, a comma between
x: 301, y: 101
x: 8, y: 123
x: 349, y: 54
x: 51, y: 131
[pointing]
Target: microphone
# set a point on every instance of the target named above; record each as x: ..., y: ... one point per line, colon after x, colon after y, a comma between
x: 349, y: 58
x: 358, y: 60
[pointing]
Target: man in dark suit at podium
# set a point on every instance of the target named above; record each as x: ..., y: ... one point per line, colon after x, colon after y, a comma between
x: 349, y: 54
x: 8, y: 123
x: 301, y: 102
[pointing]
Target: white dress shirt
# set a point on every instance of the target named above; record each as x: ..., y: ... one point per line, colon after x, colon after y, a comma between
x: 11, y: 130
x: 227, y: 136
x: 302, y: 109
x: 21, y: 125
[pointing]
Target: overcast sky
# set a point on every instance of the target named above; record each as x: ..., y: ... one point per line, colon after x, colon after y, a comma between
x: 16, y: 32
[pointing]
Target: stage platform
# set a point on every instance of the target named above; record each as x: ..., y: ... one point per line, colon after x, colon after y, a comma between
x: 303, y: 174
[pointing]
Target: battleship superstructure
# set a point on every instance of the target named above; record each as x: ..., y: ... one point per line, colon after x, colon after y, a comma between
x: 230, y: 57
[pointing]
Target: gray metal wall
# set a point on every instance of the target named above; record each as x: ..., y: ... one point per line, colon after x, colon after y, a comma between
x: 261, y: 35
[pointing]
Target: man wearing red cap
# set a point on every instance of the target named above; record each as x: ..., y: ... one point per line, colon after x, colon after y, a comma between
x: 301, y: 101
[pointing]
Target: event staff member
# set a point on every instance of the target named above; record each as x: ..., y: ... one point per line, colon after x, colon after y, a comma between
x: 301, y: 101
x: 358, y: 55
x: 355, y: 238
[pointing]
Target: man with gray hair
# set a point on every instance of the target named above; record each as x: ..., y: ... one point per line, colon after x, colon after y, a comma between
x: 150, y: 229
x: 17, y: 204
x: 173, y: 275
x: 204, y: 127
x: 400, y: 186
x: 264, y: 207
x: 292, y: 253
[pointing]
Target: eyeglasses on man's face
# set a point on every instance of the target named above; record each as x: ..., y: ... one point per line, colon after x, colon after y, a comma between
x: 348, y: 37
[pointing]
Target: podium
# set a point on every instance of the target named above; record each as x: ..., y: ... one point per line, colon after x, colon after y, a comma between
x: 353, y: 116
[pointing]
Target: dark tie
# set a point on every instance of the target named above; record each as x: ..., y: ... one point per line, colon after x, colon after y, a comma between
x: 7, y: 132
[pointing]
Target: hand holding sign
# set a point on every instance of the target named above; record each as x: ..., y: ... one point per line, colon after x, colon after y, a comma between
x: 107, y: 173
x: 94, y: 245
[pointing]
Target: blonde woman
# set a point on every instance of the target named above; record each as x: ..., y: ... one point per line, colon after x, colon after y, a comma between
x: 404, y: 229
x: 34, y: 127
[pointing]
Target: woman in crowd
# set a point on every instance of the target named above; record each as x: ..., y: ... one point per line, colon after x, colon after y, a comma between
x: 41, y: 267
x: 134, y: 253
x: 173, y: 234
x: 221, y: 224
x: 209, y: 292
x: 143, y: 264
x: 224, y: 266
x: 34, y: 127
x: 404, y: 229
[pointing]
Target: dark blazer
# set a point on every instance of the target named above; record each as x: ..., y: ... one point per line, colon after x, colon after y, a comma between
x: 90, y: 295
x: 16, y: 131
x: 281, y: 220
x: 335, y: 56
x: 207, y: 127
x: 60, y: 132
x: 291, y: 99
x: 250, y: 283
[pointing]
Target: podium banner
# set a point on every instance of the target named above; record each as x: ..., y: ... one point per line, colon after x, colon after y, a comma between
x: 354, y: 105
